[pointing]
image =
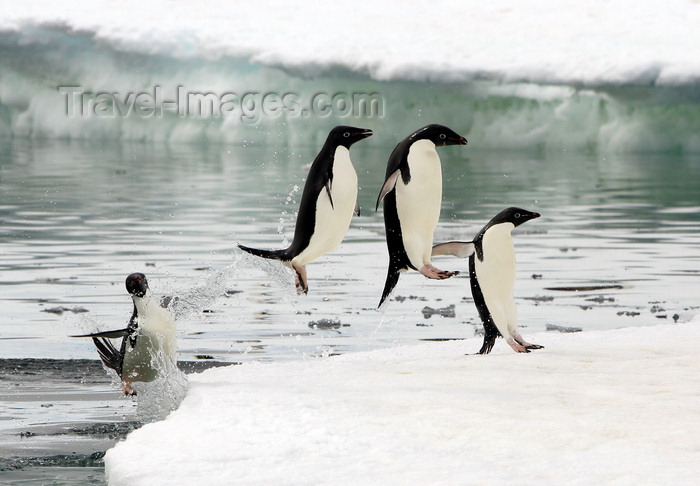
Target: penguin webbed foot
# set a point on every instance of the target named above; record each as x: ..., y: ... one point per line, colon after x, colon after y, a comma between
x: 128, y: 391
x: 430, y: 271
x: 527, y: 345
x: 300, y: 279
x: 517, y: 347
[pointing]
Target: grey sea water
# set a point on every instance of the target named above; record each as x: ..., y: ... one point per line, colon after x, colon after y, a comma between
x: 616, y: 246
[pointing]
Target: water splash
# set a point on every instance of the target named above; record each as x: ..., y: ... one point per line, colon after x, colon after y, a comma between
x: 290, y: 200
x: 157, y: 398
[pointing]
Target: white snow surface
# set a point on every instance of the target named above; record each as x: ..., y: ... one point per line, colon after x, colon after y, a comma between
x: 541, y: 41
x: 603, y: 407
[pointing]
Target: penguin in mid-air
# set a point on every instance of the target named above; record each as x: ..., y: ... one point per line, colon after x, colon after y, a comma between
x: 492, y: 277
x: 148, y: 342
x: 327, y: 204
x: 412, y: 195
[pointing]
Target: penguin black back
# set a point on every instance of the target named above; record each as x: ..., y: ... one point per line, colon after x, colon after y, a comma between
x: 513, y: 215
x: 506, y: 322
x: 319, y: 178
x: 327, y: 204
x: 399, y: 168
x: 440, y: 135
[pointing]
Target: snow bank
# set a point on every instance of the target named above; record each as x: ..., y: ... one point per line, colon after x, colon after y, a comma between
x: 561, y: 41
x: 601, y: 407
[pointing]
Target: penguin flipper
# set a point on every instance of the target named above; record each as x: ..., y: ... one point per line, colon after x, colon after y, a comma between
x: 328, y: 191
x: 392, y: 278
x: 460, y: 249
x: 269, y: 254
x: 109, y: 355
x: 388, y: 186
x: 119, y: 333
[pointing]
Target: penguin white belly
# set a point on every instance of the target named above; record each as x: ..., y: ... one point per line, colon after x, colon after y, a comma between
x: 140, y: 363
x: 155, y: 342
x: 418, y: 202
x: 496, y: 277
x: 332, y: 222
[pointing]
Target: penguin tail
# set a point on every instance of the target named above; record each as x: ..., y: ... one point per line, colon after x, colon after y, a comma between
x: 491, y: 332
x: 109, y: 354
x: 489, y: 341
x: 392, y: 278
x: 269, y: 254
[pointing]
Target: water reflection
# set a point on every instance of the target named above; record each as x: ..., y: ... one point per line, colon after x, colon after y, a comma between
x: 79, y: 217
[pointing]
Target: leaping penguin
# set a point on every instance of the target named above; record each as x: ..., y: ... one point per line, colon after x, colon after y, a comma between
x: 412, y: 195
x: 148, y: 341
x: 327, y: 205
x: 492, y: 277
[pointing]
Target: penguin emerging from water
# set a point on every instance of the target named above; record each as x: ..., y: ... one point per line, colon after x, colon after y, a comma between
x: 492, y: 277
x: 327, y: 205
x: 148, y: 342
x: 412, y: 195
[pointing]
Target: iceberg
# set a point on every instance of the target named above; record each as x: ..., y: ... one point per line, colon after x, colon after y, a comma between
x: 599, y: 75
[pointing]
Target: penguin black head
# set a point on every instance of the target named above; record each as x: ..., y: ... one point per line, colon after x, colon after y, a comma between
x: 517, y: 216
x: 136, y: 284
x: 346, y: 136
x: 440, y: 135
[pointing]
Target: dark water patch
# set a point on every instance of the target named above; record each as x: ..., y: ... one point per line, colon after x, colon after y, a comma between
x: 61, y: 309
x: 53, y: 476
x: 402, y: 298
x: 326, y: 324
x: 83, y: 371
x: 540, y: 298
x: 448, y: 311
x: 586, y: 288
x: 109, y: 430
x: 628, y: 313
x: 600, y: 299
x: 204, y: 362
x: 96, y: 459
x: 565, y: 329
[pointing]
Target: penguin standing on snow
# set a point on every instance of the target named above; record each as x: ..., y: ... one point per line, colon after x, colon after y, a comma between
x: 148, y: 343
x: 327, y: 205
x: 412, y: 195
x: 492, y: 276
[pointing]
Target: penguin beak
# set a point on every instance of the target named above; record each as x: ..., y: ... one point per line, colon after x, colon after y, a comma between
x: 460, y: 141
x: 365, y: 133
x: 531, y: 215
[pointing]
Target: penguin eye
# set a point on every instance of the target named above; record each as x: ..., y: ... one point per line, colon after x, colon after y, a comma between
x: 517, y: 215
x: 346, y: 134
x: 443, y: 136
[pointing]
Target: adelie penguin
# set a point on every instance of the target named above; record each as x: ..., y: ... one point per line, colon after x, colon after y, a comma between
x: 492, y: 277
x: 412, y: 195
x: 148, y: 344
x: 327, y: 204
